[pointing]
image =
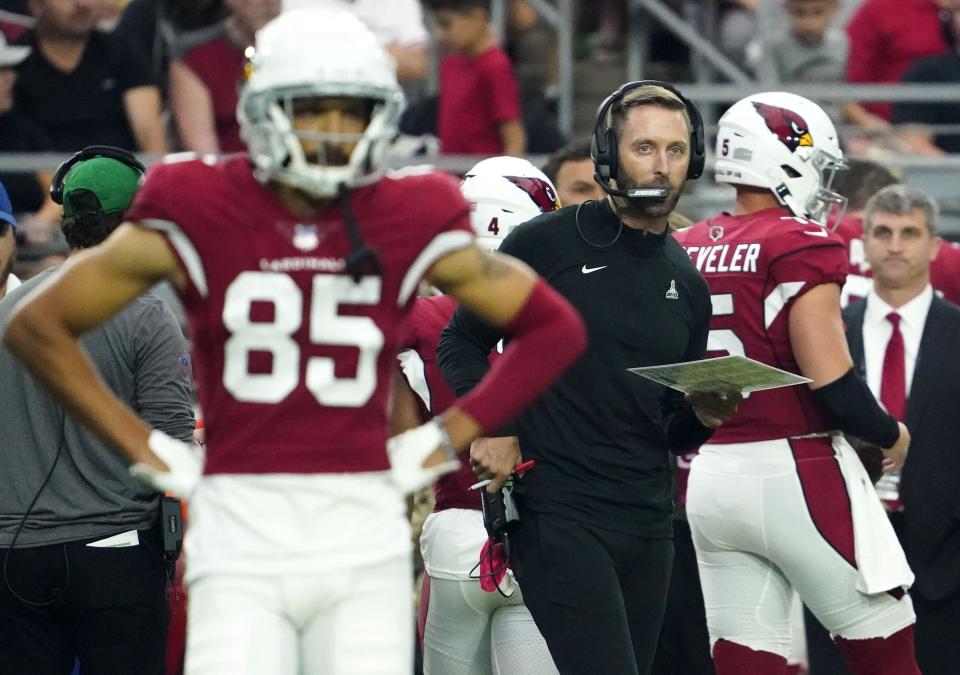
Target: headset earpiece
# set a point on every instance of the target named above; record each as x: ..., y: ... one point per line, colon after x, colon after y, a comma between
x: 89, y: 152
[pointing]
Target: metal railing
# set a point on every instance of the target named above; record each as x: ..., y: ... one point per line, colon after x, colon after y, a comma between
x: 937, y: 175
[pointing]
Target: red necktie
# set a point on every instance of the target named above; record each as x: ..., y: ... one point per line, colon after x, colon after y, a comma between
x: 893, y: 395
x: 893, y: 385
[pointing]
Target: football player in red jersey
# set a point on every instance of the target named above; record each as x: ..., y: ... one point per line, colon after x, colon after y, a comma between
x: 467, y: 630
x: 297, y: 266
x: 778, y: 500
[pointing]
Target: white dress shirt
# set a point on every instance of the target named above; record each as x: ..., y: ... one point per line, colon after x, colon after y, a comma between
x: 877, y: 331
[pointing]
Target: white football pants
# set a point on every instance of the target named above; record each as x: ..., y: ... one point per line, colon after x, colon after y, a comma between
x: 756, y: 540
x: 469, y: 631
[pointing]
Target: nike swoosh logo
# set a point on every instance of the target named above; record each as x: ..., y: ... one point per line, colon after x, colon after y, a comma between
x: 817, y: 233
x: 588, y: 270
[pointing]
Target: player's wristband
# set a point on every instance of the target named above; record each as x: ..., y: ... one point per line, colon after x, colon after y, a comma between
x: 855, y: 411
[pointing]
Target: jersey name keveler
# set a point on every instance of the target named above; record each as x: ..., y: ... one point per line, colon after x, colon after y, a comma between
x: 725, y: 257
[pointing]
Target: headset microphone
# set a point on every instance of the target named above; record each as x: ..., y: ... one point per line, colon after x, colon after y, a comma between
x: 634, y: 193
x: 648, y: 193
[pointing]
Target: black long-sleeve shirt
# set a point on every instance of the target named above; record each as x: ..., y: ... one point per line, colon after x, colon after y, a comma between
x: 600, y: 435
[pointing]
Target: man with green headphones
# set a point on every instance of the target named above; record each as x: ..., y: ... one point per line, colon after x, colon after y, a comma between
x: 80, y: 542
x: 95, y: 187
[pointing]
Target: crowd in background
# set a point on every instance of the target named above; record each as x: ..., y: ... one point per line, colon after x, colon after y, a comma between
x: 162, y: 75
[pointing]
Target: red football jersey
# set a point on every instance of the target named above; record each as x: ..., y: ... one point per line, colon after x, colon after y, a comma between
x: 293, y: 358
x: 422, y: 334
x: 945, y: 272
x: 859, y: 281
x: 757, y: 265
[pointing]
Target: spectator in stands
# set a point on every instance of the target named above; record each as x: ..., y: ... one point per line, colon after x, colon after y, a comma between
x: 29, y: 190
x: 886, y: 37
x: 942, y: 68
x: 810, y: 48
x: 571, y: 170
x: 479, y: 109
x: 163, y: 30
x: 83, y: 575
x: 83, y: 86
x: 608, y: 39
x: 8, y: 245
x: 205, y: 82
x: 398, y: 25
x: 533, y: 46
x: 737, y: 24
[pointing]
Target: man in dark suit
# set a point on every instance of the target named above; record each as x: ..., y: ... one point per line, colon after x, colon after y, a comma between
x: 905, y: 340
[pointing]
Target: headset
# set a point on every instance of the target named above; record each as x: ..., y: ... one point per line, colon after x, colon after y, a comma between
x: 603, y: 147
x: 89, y: 152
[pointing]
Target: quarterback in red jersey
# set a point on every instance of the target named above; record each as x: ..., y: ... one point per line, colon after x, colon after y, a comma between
x: 465, y: 628
x: 777, y: 500
x: 297, y: 266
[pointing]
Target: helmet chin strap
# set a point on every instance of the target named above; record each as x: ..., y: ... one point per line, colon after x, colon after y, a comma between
x: 361, y: 256
x: 783, y: 193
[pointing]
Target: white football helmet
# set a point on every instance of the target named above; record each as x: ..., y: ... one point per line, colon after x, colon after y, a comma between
x: 504, y: 192
x: 317, y: 53
x: 785, y: 143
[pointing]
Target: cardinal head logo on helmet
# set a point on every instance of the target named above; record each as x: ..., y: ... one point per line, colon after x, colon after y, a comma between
x: 792, y: 130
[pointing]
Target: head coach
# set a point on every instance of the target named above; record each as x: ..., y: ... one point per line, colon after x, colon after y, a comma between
x: 592, y: 551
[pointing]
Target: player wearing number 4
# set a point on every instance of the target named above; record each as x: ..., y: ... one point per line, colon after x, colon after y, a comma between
x: 777, y: 500
x: 297, y: 267
x: 467, y: 629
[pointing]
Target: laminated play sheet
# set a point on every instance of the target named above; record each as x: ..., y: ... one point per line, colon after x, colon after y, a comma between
x: 733, y: 373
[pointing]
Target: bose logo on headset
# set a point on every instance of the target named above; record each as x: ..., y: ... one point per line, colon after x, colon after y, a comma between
x: 603, y: 147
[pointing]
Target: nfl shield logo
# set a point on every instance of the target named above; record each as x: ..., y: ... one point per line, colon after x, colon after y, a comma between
x: 715, y: 232
x: 305, y: 237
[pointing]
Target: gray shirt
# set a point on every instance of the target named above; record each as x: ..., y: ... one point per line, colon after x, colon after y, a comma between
x: 781, y: 58
x: 142, y: 357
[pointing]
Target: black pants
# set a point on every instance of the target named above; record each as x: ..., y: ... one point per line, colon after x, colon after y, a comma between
x: 822, y: 652
x: 596, y: 596
x: 684, y: 647
x: 112, y: 615
x: 937, y: 634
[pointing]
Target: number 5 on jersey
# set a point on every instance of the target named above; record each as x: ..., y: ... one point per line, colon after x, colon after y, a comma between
x: 276, y: 338
x: 724, y: 339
